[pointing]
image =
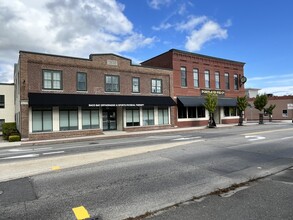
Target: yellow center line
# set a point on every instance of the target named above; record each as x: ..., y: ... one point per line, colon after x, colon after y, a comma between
x: 270, y: 131
x: 80, y: 213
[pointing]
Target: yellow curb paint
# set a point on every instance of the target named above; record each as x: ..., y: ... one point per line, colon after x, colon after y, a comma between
x: 56, y: 168
x: 80, y: 213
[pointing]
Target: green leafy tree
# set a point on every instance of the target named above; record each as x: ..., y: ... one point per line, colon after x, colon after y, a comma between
x: 242, y: 103
x: 269, y: 110
x: 211, y: 102
x: 259, y: 103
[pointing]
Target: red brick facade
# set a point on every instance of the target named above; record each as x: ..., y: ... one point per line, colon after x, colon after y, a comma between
x: 175, y: 59
x: 30, y: 80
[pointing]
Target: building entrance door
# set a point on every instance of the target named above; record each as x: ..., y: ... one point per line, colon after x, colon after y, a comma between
x: 109, y: 119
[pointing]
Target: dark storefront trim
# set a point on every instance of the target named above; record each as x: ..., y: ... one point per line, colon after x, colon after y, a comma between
x: 53, y: 99
x: 193, y: 101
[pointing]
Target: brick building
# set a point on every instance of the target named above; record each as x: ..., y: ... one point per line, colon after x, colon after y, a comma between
x: 282, y: 111
x: 58, y: 96
x: 195, y: 75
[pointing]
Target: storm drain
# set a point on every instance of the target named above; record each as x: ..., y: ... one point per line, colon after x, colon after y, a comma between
x: 15, y: 191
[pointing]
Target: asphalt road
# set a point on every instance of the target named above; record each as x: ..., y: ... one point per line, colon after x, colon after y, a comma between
x: 270, y: 198
x: 131, y: 186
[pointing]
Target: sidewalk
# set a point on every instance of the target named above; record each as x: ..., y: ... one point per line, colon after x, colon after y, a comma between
x: 106, y: 135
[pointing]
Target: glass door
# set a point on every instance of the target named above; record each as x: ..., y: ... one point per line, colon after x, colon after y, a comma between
x: 109, y: 119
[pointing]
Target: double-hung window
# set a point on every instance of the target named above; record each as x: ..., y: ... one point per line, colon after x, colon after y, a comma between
x: 195, y: 78
x: 112, y: 83
x: 81, y: 82
x: 236, y: 82
x: 135, y: 85
x: 227, y: 83
x: 156, y: 86
x: 207, y: 78
x: 52, y: 79
x: 217, y: 80
x: 183, y: 76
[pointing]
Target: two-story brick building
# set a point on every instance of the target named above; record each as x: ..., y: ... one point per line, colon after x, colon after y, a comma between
x: 194, y: 75
x: 59, y: 96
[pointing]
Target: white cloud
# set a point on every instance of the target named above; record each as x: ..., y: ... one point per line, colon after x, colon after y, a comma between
x: 156, y: 4
x: 192, y: 23
x: 210, y: 30
x: 74, y: 28
x: 278, y: 91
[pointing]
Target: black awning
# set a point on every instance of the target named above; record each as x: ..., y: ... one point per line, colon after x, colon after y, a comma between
x: 227, y: 102
x: 55, y: 99
x: 192, y: 101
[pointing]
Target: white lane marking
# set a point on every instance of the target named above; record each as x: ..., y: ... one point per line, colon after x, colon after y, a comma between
x: 255, y: 138
x: 185, y: 138
x: 21, y: 156
x: 19, y: 150
x: 55, y: 152
x: 285, y: 138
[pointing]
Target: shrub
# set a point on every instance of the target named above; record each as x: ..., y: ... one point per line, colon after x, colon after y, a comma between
x: 9, y: 129
x: 14, y: 138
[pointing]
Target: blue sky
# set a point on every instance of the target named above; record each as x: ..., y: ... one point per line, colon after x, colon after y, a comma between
x: 257, y: 32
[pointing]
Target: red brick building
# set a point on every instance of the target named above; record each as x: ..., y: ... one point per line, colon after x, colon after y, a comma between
x: 59, y: 96
x: 194, y: 75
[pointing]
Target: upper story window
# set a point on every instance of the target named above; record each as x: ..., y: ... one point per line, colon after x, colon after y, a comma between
x: 52, y: 79
x: 207, y: 78
x: 195, y: 78
x: 112, y: 83
x: 227, y: 83
x: 2, y: 101
x: 236, y: 82
x: 81, y: 82
x: 183, y: 76
x: 217, y: 80
x: 135, y: 85
x: 156, y: 86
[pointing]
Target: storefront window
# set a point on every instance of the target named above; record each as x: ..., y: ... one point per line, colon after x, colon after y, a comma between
x: 148, y: 116
x: 191, y: 112
x: 163, y: 115
x: 42, y: 120
x: 182, y: 112
x: 90, y: 118
x: 68, y: 119
x: 230, y: 111
x: 132, y: 117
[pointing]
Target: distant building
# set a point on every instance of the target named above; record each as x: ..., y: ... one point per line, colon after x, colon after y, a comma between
x: 282, y: 111
x: 194, y: 76
x: 6, y: 103
x: 251, y: 92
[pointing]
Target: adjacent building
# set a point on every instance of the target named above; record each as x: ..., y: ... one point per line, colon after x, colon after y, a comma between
x: 282, y: 111
x: 195, y: 75
x: 6, y: 103
x: 59, y: 96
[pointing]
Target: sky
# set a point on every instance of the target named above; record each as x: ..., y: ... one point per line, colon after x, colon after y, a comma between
x: 256, y: 32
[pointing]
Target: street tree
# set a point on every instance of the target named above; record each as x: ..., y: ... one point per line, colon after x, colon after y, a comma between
x: 242, y: 103
x: 269, y: 110
x: 259, y: 103
x: 211, y: 102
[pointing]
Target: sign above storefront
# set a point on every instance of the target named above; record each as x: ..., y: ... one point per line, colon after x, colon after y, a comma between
x: 217, y: 92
